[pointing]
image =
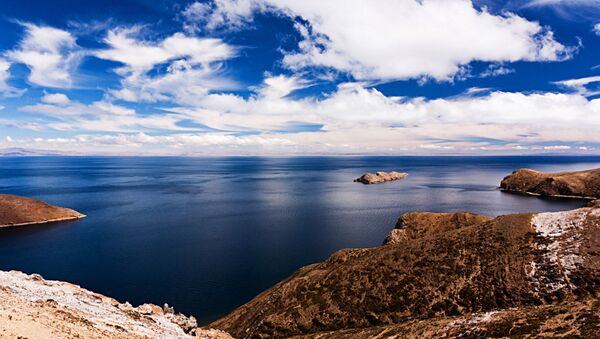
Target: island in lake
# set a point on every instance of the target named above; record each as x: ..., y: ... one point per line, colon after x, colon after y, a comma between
x: 380, y: 177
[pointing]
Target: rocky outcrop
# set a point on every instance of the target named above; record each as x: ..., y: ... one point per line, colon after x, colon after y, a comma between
x: 31, y: 307
x: 20, y: 211
x: 456, y: 274
x: 581, y: 184
x: 420, y: 224
x: 380, y: 177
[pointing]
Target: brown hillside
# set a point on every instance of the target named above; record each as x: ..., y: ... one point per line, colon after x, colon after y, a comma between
x: 17, y: 211
x: 571, y: 184
x: 508, y: 263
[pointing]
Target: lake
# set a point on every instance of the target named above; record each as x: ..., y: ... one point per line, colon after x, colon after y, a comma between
x: 207, y: 234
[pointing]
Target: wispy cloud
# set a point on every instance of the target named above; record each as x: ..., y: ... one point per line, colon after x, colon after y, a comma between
x: 192, y: 65
x: 6, y: 90
x: 51, y: 54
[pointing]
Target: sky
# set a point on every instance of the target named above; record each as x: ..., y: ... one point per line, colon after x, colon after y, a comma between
x: 288, y: 77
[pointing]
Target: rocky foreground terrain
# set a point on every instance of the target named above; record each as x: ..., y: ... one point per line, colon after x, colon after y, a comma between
x: 20, y: 211
x: 566, y: 184
x: 446, y: 274
x: 31, y: 307
x: 380, y: 177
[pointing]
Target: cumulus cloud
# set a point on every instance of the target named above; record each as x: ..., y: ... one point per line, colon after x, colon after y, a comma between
x: 359, y: 119
x: 391, y: 40
x: 192, y: 65
x: 352, y: 119
x: 55, y: 98
x: 597, y: 29
x: 51, y: 55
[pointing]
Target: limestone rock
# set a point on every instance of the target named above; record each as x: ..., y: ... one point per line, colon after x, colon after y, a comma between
x: 32, y: 307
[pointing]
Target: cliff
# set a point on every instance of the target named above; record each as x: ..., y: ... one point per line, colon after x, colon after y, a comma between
x: 380, y: 177
x: 566, y: 184
x: 31, y: 307
x: 19, y: 211
x: 444, y: 274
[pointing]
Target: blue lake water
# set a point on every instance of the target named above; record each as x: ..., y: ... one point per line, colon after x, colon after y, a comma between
x: 208, y: 234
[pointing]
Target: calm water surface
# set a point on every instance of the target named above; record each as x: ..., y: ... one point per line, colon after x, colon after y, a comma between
x: 208, y: 234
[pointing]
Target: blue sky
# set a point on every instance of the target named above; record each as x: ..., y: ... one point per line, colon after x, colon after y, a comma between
x: 301, y: 77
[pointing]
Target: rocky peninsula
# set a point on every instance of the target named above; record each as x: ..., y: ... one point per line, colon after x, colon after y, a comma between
x: 580, y: 184
x: 32, y: 307
x: 444, y: 274
x: 21, y: 211
x: 380, y: 177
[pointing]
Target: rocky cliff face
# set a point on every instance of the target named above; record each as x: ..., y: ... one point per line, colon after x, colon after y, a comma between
x: 380, y: 177
x: 570, y: 184
x: 444, y: 274
x: 31, y: 307
x: 19, y: 211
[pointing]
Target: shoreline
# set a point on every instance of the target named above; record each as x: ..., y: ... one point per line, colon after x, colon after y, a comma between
x: 44, y: 221
x: 572, y: 197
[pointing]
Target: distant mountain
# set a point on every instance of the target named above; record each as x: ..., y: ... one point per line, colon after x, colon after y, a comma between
x: 31, y: 152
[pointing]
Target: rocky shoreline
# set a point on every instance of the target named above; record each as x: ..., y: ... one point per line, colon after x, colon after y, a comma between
x: 20, y: 211
x: 32, y: 307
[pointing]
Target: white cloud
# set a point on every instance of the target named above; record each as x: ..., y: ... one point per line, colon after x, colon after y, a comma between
x: 99, y: 116
x: 220, y: 14
x: 132, y: 143
x: 532, y: 3
x: 192, y: 66
x: 568, y: 9
x: 4, y: 74
x: 557, y: 148
x: 352, y: 119
x: 55, y: 98
x: 50, y: 53
x: 277, y: 87
x: 141, y: 56
x: 581, y: 85
x: 397, y: 39
x: 494, y: 70
x: 597, y: 29
x: 5, y: 89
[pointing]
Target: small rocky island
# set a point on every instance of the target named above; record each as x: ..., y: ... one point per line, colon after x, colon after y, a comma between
x: 580, y: 184
x: 380, y: 177
x: 21, y: 211
x: 444, y: 275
